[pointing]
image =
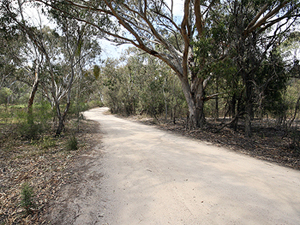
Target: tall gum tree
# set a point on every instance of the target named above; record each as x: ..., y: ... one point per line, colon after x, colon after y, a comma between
x: 64, y: 53
x: 147, y: 24
x: 257, y: 29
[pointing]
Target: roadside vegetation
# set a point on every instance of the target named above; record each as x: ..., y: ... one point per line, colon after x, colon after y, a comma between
x: 34, y: 162
x: 139, y: 87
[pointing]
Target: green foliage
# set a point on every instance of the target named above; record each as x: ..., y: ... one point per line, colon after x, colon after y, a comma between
x: 95, y: 103
x: 77, y: 107
x: 240, y: 67
x: 271, y: 79
x: 4, y: 94
x: 47, y: 142
x: 41, y: 120
x: 96, y: 71
x: 43, y: 113
x: 72, y: 143
x: 27, y: 198
x: 29, y: 131
x: 141, y: 85
x: 295, y: 137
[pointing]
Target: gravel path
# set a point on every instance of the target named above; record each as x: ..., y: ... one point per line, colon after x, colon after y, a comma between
x: 150, y: 176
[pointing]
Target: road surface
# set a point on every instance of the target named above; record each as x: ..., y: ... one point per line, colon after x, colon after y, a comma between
x: 155, y: 177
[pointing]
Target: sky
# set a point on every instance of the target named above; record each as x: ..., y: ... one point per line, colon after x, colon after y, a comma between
x: 108, y: 49
x: 34, y: 16
x: 113, y: 51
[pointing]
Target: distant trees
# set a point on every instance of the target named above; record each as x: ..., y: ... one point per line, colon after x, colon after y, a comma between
x: 228, y: 51
x: 56, y: 58
x: 148, y: 26
x: 139, y: 84
x: 11, y: 58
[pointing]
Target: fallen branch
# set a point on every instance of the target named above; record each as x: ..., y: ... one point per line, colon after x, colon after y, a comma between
x: 229, y: 123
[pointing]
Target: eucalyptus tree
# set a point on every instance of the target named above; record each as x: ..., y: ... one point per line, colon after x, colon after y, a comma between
x: 247, y: 50
x: 111, y: 79
x: 253, y: 47
x: 65, y: 53
x: 12, y: 44
x: 14, y: 11
x: 78, y: 49
x: 138, y: 83
x: 290, y: 49
x: 147, y: 25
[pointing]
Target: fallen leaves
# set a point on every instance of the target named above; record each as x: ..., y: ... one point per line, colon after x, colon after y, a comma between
x: 44, y: 169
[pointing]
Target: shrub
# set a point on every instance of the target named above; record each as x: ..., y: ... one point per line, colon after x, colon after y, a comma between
x: 48, y: 142
x: 27, y: 201
x: 29, y: 131
x: 4, y: 94
x: 95, y: 103
x: 72, y: 143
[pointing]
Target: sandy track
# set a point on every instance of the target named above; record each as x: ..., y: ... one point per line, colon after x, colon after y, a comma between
x: 154, y: 177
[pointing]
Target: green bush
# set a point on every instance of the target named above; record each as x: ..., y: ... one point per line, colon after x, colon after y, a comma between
x: 27, y: 201
x: 48, y: 142
x: 95, y: 103
x: 43, y: 112
x: 295, y: 137
x: 31, y: 127
x: 4, y: 94
x: 72, y: 143
x: 29, y: 131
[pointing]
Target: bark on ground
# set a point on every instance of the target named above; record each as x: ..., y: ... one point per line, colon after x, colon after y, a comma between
x: 46, y: 165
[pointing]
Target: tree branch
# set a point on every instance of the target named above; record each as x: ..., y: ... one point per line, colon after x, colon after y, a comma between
x: 259, y: 23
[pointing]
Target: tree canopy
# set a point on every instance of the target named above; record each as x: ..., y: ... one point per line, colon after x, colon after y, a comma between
x: 213, y: 47
x: 148, y: 25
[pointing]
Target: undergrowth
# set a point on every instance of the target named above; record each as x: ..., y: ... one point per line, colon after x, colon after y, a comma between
x: 27, y: 201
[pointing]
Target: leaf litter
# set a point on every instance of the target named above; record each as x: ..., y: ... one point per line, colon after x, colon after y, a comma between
x: 45, y: 167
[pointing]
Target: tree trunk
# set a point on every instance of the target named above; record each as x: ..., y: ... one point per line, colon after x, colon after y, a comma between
x: 60, y: 127
x: 61, y: 119
x: 248, y: 106
x: 232, y: 106
x: 195, y: 100
x: 248, y: 110
x: 217, y: 100
x: 200, y: 117
x: 191, y: 123
x: 31, y: 99
x: 165, y: 100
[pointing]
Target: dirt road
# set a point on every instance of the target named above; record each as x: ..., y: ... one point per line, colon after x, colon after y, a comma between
x: 154, y: 177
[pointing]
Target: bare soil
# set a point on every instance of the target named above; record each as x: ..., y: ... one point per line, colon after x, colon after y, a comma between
x: 151, y: 176
x: 268, y: 142
x: 57, y: 175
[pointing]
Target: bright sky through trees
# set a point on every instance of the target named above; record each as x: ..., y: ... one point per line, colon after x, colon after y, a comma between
x: 111, y: 50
